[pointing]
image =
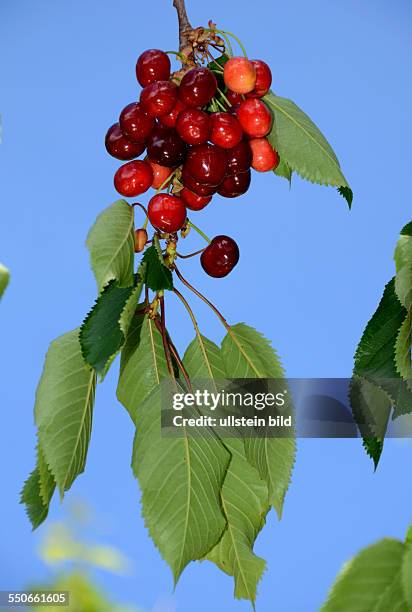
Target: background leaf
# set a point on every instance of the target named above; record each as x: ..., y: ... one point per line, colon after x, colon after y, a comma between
x: 36, y: 509
x: 4, y: 279
x: 64, y: 409
x: 407, y: 574
x: 158, y: 276
x: 111, y: 245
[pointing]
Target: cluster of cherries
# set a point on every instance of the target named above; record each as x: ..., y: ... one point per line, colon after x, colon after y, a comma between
x: 192, y: 150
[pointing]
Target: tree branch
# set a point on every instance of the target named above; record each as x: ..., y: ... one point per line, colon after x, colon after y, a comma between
x: 184, y: 23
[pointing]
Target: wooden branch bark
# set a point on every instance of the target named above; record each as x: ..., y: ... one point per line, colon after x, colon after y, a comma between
x: 184, y: 23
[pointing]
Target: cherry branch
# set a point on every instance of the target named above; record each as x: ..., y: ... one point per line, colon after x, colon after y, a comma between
x: 184, y: 23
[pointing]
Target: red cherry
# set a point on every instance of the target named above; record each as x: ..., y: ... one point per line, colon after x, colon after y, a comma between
x: 207, y: 163
x: 265, y: 158
x: 197, y: 87
x: 159, y: 98
x: 160, y: 175
x: 133, y: 178
x: 165, y: 147
x: 167, y: 213
x: 233, y: 97
x: 121, y: 147
x: 263, y: 79
x: 226, y: 130
x: 135, y: 124
x: 239, y: 75
x: 220, y: 256
x: 194, y: 201
x: 239, y: 159
x: 170, y: 119
x: 201, y: 189
x: 254, y: 117
x: 152, y: 65
x: 193, y: 126
x: 235, y: 185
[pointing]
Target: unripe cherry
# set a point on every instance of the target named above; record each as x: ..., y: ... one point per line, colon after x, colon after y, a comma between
x: 264, y: 158
x: 140, y: 240
x: 239, y: 75
x: 160, y: 175
x: 254, y: 117
x: 133, y: 178
x: 167, y: 213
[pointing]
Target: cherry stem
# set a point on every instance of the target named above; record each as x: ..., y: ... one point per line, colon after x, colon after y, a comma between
x: 164, y: 334
x: 204, y: 299
x: 220, y: 104
x: 175, y: 354
x: 189, y: 310
x: 191, y: 254
x: 168, y: 180
x: 144, y: 209
x: 182, y: 58
x: 184, y: 23
x: 239, y: 42
x: 222, y: 95
x: 199, y: 231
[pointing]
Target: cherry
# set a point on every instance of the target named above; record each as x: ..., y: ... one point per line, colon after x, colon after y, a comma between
x: 193, y: 126
x: 235, y: 185
x: 165, y: 147
x: 167, y: 213
x: 160, y: 175
x: 226, y: 130
x: 152, y: 65
x: 220, y: 256
x: 121, y: 147
x: 140, y: 240
x: 159, y: 98
x: 171, y: 119
x: 254, y: 117
x: 239, y: 75
x: 135, y: 124
x: 201, y: 189
x: 194, y: 201
x: 265, y: 158
x: 207, y: 163
x: 233, y: 97
x: 263, y: 79
x: 133, y: 178
x: 197, y: 87
x: 239, y: 159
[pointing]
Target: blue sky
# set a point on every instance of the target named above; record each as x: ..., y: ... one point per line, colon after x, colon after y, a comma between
x: 310, y: 275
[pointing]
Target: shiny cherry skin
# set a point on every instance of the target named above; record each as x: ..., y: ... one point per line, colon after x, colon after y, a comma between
x: 135, y: 123
x: 201, y: 189
x: 194, y: 201
x: 235, y: 185
x: 265, y: 158
x: 207, y: 163
x: 233, y: 97
x: 254, y: 117
x: 159, y: 98
x: 239, y: 75
x: 170, y: 119
x: 239, y: 159
x: 193, y: 126
x: 152, y: 65
x: 197, y: 87
x: 167, y: 213
x: 133, y: 178
x: 220, y: 256
x: 226, y: 130
x: 160, y: 175
x: 121, y: 147
x: 140, y: 240
x: 165, y: 147
x: 263, y: 79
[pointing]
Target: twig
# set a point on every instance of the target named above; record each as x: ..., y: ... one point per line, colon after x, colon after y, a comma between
x: 164, y: 336
x: 184, y: 23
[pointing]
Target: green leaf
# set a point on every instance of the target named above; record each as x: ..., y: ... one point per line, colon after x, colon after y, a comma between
x: 301, y: 144
x: 64, y: 409
x: 158, y: 276
x: 38, y: 491
x: 4, y: 279
x: 203, y: 359
x: 143, y: 364
x: 407, y: 574
x: 403, y: 288
x: 371, y: 581
x: 248, y: 354
x: 180, y: 479
x: 347, y: 193
x: 403, y: 349
x: 104, y: 330
x: 284, y: 170
x: 46, y: 480
x: 111, y: 245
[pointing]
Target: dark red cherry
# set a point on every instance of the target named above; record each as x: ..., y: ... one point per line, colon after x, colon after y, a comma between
x: 239, y: 159
x: 135, y: 124
x: 165, y: 147
x: 170, y: 119
x: 193, y: 126
x: 133, y: 178
x: 121, y: 147
x: 201, y: 189
x: 152, y: 65
x: 167, y: 213
x: 263, y: 79
x: 254, y: 117
x: 235, y: 185
x: 220, y: 257
x: 226, y: 130
x: 207, y: 164
x: 233, y: 97
x: 197, y: 87
x: 159, y: 98
x: 194, y: 201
